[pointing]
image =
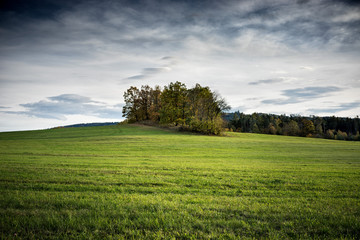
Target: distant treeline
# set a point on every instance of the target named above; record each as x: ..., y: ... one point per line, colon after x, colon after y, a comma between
x: 91, y: 124
x: 196, y: 109
x: 294, y: 125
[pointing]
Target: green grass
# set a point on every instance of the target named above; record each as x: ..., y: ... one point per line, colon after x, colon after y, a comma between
x: 131, y: 182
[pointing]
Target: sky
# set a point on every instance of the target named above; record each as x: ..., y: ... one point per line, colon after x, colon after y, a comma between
x: 64, y: 62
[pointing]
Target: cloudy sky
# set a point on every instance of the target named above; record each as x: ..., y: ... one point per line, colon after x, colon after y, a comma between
x: 64, y: 62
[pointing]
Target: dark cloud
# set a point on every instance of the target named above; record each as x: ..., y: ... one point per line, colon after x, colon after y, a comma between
x: 298, y: 95
x: 322, y: 24
x: 302, y: 1
x: 58, y: 107
x: 352, y: 2
x: 335, y: 109
x: 39, y: 9
x: 139, y: 26
x: 266, y: 81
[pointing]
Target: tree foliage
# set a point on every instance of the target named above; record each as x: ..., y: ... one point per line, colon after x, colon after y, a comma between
x: 196, y: 109
x: 294, y: 125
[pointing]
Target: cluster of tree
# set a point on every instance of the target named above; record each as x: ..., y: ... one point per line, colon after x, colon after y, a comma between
x: 196, y: 109
x: 294, y: 125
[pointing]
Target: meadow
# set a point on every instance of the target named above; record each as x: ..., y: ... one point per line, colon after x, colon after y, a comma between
x: 138, y: 182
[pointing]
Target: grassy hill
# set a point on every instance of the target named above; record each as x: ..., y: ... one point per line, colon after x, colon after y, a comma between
x: 142, y: 182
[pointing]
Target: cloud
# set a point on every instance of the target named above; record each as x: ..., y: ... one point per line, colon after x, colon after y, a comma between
x: 58, y: 107
x: 298, y: 95
x: 335, y: 109
x: 85, y: 30
x: 71, y: 98
x: 136, y: 77
x: 131, y: 26
x: 309, y: 92
x: 148, y: 72
x: 151, y: 71
x: 307, y: 68
x: 267, y: 81
x: 274, y: 80
x: 99, y: 48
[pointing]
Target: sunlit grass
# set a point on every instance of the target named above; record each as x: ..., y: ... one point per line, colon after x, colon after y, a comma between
x: 143, y: 182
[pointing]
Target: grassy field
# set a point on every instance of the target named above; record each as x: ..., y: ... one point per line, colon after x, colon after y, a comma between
x: 133, y: 182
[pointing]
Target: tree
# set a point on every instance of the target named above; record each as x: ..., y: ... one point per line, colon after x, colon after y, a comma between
x: 132, y: 104
x: 174, y: 101
x: 197, y: 109
x: 139, y: 104
x: 272, y: 129
x: 330, y: 134
x: 319, y: 125
x: 291, y: 128
x: 308, y: 128
x: 255, y: 128
x: 145, y: 102
x: 155, y: 107
x: 296, y: 125
x: 205, y: 109
x: 278, y: 125
x: 341, y: 135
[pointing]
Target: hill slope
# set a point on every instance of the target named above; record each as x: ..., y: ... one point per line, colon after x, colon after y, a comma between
x: 142, y: 182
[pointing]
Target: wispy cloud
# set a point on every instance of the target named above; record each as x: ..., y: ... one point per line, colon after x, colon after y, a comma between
x: 148, y: 72
x: 137, y: 77
x: 298, y: 95
x: 72, y: 98
x: 336, y: 108
x: 151, y: 71
x: 58, y: 107
x: 267, y: 81
x: 310, y: 92
x: 307, y: 68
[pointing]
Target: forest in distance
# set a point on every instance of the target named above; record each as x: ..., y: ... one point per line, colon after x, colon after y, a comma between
x: 199, y: 109
x: 337, y: 128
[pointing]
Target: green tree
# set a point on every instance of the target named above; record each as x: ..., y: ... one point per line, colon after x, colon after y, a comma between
x: 291, y: 128
x: 308, y: 128
x: 174, y: 101
x: 278, y: 125
x: 145, y: 103
x: 197, y: 109
x: 132, y: 104
x: 341, y: 135
x: 330, y: 134
x: 272, y: 129
x: 155, y: 98
x: 205, y: 110
x: 255, y: 128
